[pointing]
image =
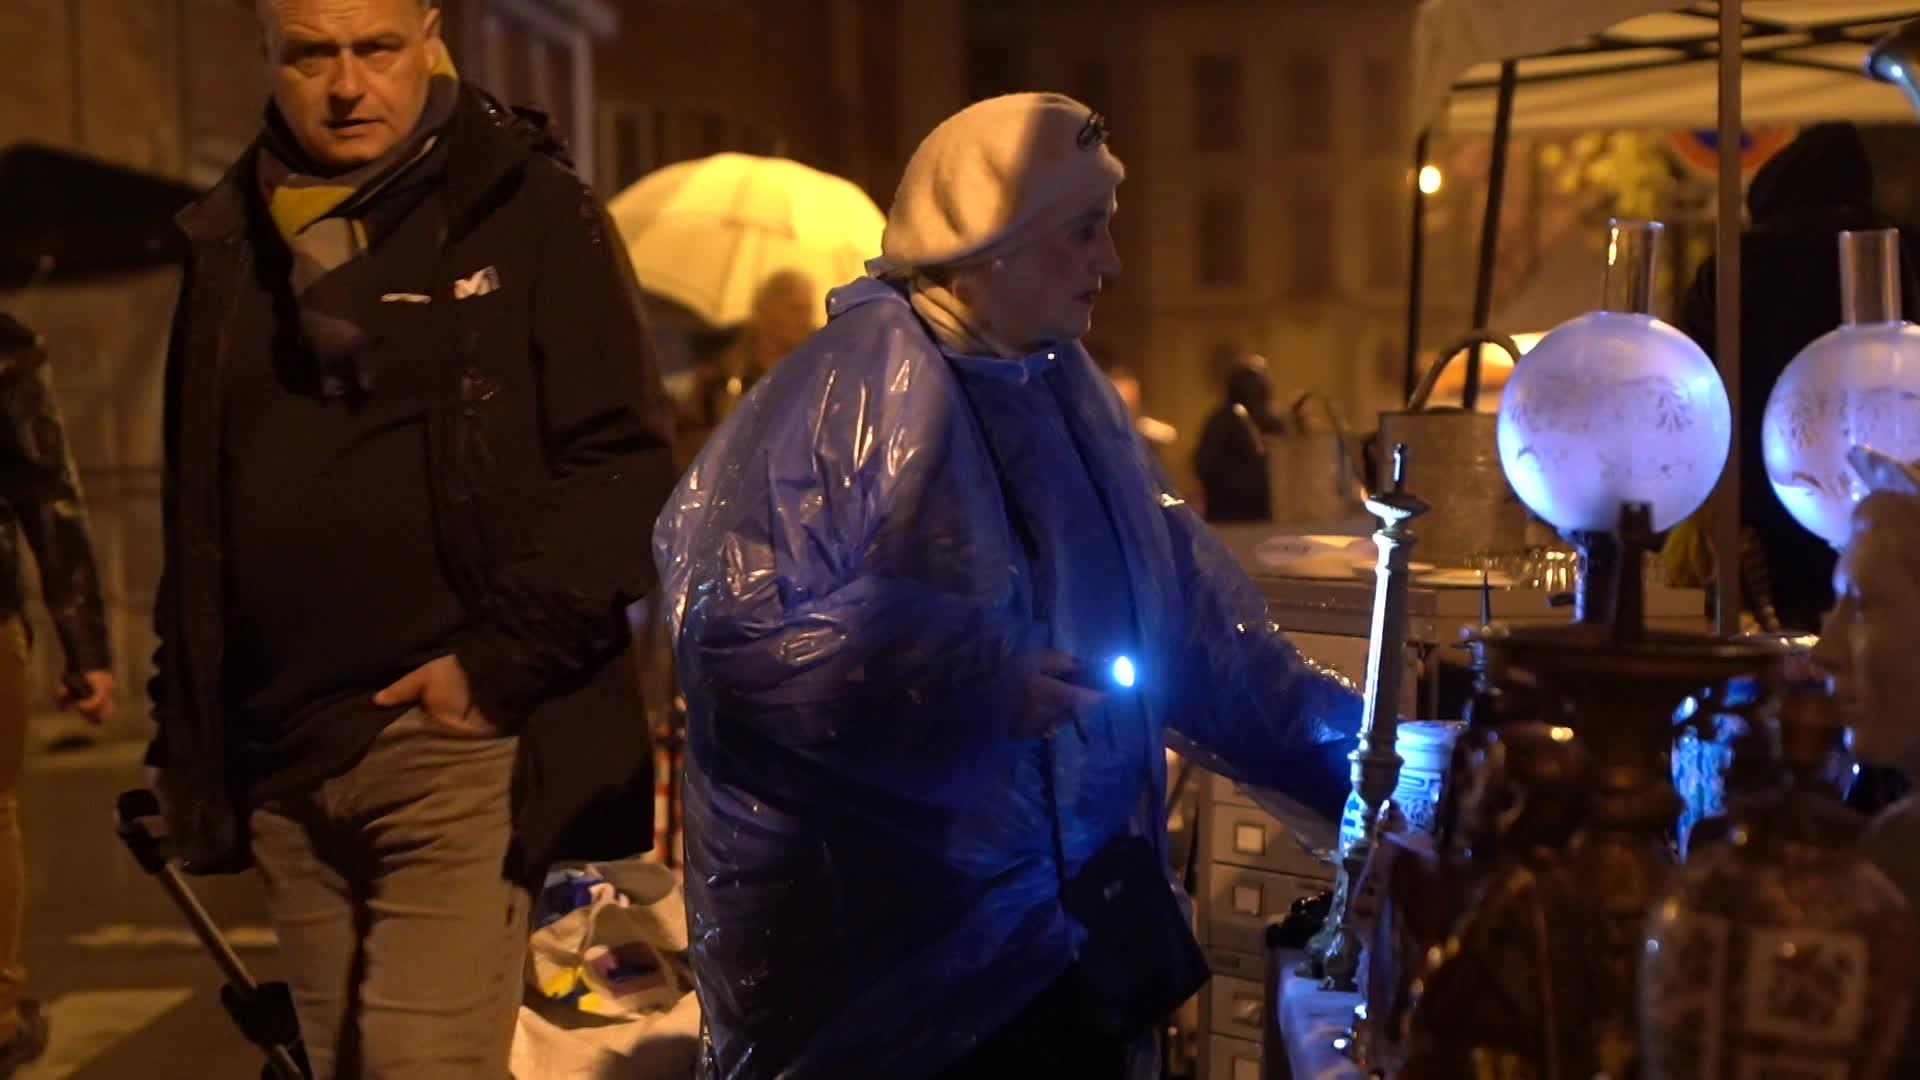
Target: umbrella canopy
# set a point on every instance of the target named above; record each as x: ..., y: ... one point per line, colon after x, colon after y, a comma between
x: 707, y: 233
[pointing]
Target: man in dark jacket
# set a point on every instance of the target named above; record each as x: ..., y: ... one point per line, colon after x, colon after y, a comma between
x: 39, y: 503
x: 1799, y: 201
x: 415, y: 446
x: 1231, y: 460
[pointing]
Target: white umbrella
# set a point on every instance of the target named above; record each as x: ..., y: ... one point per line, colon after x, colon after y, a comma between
x: 707, y: 233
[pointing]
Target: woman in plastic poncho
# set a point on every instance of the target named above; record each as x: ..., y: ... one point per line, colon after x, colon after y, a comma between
x: 882, y: 573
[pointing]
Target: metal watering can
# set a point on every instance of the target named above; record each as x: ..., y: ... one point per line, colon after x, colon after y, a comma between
x: 1457, y: 452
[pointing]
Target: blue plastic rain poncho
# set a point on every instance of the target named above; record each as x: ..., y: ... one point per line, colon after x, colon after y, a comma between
x: 873, y: 860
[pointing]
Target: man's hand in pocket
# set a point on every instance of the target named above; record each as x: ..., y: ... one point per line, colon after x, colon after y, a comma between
x: 439, y: 690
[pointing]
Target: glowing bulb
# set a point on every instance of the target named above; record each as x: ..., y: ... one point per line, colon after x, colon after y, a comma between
x: 1430, y: 179
x: 1123, y: 673
x: 1614, y: 407
x: 1856, y: 385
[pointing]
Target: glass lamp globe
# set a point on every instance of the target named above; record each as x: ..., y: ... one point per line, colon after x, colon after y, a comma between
x: 1615, y: 406
x: 1857, y: 384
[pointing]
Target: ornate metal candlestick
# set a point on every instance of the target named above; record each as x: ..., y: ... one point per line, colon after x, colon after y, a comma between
x: 1376, y: 764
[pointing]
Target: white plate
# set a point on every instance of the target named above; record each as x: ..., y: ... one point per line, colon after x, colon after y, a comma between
x: 1366, y: 569
x: 1310, y: 555
x: 1461, y: 578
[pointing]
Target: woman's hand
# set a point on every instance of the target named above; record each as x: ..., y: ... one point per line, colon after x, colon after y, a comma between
x: 1049, y: 701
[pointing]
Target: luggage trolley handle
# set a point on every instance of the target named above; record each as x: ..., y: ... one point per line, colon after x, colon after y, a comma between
x: 264, y: 1014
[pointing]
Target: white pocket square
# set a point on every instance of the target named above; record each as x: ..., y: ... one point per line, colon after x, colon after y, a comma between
x: 479, y: 283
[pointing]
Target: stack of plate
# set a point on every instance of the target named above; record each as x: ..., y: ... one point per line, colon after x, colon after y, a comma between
x: 1325, y: 555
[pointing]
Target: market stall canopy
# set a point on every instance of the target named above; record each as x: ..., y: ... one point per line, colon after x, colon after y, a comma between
x: 1648, y: 66
x: 707, y: 233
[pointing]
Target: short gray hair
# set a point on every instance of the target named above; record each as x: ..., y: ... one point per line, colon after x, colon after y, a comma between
x: 259, y: 6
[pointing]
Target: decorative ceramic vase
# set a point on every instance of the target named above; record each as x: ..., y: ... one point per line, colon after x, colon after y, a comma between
x: 1425, y: 747
x: 1857, y: 385
x: 1892, y: 844
x: 1781, y: 951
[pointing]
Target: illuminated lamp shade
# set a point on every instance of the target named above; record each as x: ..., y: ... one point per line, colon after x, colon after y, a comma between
x: 1857, y: 385
x: 1615, y: 406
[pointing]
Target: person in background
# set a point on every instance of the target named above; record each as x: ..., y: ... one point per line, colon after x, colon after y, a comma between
x: 1799, y: 202
x: 1231, y: 460
x: 1157, y: 434
x: 726, y: 363
x: 414, y: 447
x: 40, y: 504
x: 937, y: 617
x: 785, y: 311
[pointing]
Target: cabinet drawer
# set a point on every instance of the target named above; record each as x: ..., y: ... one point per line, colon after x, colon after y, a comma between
x: 1247, y: 836
x: 1236, y: 1007
x: 1239, y: 965
x: 1241, y: 902
x: 1232, y: 1059
x: 1226, y: 791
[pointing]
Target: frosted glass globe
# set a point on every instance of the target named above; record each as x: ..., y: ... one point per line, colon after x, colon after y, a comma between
x: 1613, y: 407
x: 1859, y: 384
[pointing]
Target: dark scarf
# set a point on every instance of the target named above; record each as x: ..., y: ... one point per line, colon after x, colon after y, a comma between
x: 330, y: 223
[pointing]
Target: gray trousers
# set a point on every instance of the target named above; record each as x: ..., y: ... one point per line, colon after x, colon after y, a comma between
x: 401, y: 939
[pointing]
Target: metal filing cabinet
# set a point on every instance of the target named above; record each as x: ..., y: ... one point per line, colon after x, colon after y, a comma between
x: 1225, y: 1058
x: 1251, y: 870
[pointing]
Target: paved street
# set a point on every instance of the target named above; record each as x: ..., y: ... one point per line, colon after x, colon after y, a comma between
x: 130, y: 992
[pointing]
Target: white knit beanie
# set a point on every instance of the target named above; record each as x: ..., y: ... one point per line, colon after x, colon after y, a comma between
x: 993, y: 172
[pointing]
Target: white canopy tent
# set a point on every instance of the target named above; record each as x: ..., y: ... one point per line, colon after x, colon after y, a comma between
x: 1601, y: 64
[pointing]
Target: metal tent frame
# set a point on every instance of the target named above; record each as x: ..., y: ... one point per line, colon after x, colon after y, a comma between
x: 1723, y: 35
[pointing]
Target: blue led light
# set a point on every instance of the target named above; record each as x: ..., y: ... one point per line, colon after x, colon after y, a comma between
x: 1123, y: 673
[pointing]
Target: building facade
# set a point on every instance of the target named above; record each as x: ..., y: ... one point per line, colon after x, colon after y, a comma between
x: 1268, y: 178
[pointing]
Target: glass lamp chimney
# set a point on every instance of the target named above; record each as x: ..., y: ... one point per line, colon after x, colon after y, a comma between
x: 1633, y: 249
x: 1870, y: 277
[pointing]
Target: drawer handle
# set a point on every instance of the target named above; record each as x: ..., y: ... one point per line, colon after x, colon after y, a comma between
x: 1246, y: 1068
x: 1246, y: 1010
x: 1249, y: 899
x: 1250, y: 839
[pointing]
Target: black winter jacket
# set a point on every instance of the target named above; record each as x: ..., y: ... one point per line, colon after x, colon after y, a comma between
x: 40, y: 503
x: 549, y: 445
x: 1800, y: 201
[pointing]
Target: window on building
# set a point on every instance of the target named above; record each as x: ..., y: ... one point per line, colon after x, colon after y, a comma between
x: 559, y: 101
x: 1309, y: 78
x: 1224, y: 358
x: 1309, y: 240
x: 996, y: 58
x: 640, y: 138
x: 1387, y: 216
x: 1220, y: 236
x: 1091, y: 83
x: 712, y: 133
x: 636, y: 143
x: 1219, y: 103
x: 1382, y: 94
x: 1390, y: 362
